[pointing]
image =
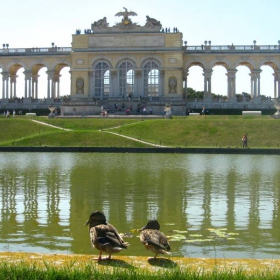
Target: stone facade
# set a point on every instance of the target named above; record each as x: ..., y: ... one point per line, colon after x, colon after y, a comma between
x: 137, y: 62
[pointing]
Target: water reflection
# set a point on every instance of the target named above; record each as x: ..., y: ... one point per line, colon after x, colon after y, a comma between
x: 46, y: 198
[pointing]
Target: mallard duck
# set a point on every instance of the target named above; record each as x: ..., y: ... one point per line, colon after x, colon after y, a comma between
x: 153, y: 239
x: 104, y: 236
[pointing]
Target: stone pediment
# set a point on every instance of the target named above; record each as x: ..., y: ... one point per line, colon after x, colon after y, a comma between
x: 126, y: 24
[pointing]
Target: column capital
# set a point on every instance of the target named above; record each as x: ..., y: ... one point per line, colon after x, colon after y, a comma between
x: 255, y: 73
x: 27, y: 74
x: 113, y: 73
x: 5, y: 76
x: 13, y: 78
x: 56, y: 77
x: 50, y: 74
x: 90, y: 73
x: 276, y: 74
x: 207, y: 73
x: 162, y: 73
x: 186, y: 72
x: 231, y: 71
x: 138, y: 73
x: 35, y: 78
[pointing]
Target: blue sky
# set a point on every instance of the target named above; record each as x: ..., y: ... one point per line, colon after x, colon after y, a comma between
x: 38, y: 23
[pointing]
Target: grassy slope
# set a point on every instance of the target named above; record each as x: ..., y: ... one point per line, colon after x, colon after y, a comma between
x: 201, y: 131
x: 207, y: 132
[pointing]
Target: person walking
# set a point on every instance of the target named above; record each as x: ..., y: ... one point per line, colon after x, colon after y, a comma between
x: 144, y: 111
x: 245, y: 141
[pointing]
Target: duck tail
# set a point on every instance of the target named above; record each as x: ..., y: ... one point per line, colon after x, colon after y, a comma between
x: 125, y: 245
x: 166, y: 252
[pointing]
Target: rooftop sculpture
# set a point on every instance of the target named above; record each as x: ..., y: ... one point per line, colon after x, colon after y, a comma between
x: 126, y: 24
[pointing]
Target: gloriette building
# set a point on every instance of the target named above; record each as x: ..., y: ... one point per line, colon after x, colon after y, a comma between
x: 134, y: 64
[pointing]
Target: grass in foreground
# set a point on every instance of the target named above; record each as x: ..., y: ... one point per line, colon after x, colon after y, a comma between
x: 122, y: 270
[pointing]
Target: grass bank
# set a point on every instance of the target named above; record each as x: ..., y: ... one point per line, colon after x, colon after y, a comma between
x: 195, y: 131
x: 47, y: 266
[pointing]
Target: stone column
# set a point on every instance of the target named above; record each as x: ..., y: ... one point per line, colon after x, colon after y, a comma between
x: 276, y: 84
x: 207, y: 84
x: 185, y: 79
x: 231, y: 94
x: 114, y: 82
x: 90, y: 81
x: 5, y: 85
x: 161, y: 82
x: 255, y: 85
x: 35, y: 86
x: 50, y: 74
x: 138, y: 80
x: 27, y: 86
x: 56, y: 90
x: 13, y: 82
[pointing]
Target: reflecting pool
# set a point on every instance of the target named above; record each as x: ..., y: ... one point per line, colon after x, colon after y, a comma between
x: 209, y: 205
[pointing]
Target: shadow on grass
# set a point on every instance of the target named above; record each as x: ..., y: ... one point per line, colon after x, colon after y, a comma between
x: 115, y: 263
x: 162, y: 262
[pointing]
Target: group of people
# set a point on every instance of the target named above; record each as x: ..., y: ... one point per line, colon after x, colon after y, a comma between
x: 144, y: 110
x: 7, y: 114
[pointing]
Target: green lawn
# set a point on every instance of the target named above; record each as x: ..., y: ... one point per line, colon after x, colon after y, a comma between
x: 194, y: 131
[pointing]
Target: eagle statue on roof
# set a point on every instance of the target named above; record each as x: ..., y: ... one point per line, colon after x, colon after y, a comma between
x: 126, y: 20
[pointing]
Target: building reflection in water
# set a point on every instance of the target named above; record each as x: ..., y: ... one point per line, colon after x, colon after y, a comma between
x: 46, y: 199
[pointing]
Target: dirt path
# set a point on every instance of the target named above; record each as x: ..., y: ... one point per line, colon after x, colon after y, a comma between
x: 136, y: 140
x: 43, y: 123
x: 106, y: 131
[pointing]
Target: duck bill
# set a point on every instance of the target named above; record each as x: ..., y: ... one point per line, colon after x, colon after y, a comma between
x: 142, y: 228
x: 86, y: 223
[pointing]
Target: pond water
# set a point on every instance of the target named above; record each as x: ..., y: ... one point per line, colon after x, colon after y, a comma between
x: 210, y: 205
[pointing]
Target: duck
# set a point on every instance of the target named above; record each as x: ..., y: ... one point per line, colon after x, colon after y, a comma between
x: 153, y: 239
x: 104, y: 236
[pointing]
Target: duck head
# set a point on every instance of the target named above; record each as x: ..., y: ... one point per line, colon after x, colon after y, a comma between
x: 96, y: 218
x: 152, y: 224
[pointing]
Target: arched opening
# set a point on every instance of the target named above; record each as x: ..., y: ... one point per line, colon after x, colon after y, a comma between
x: 195, y: 82
x: 42, y: 83
x: 101, y: 79
x: 243, y: 82
x: 20, y: 83
x: 151, y: 79
x: 65, y: 81
x: 267, y: 82
x: 126, y: 79
x: 219, y: 81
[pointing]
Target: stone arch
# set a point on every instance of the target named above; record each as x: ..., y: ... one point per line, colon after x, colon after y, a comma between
x: 220, y: 61
x: 96, y: 60
x: 126, y: 58
x: 222, y: 73
x: 245, y: 62
x: 189, y: 64
x: 36, y: 67
x: 269, y: 62
x: 13, y: 67
x: 39, y: 62
x: 58, y: 65
x: 154, y: 58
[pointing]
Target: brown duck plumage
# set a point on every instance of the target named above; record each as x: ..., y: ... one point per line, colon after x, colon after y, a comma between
x: 153, y: 239
x: 104, y: 236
